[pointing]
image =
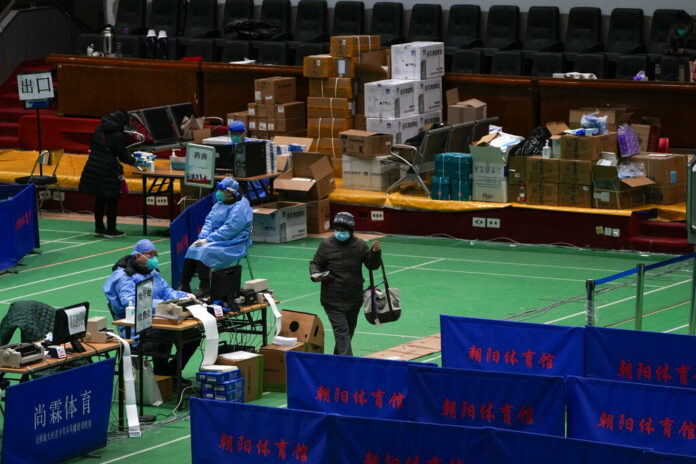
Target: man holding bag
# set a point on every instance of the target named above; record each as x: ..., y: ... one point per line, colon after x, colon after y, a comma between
x: 337, y: 264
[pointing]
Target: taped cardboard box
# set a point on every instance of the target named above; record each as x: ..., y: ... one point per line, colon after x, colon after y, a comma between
x: 588, y: 147
x: 353, y: 45
x: 310, y: 178
x: 274, y: 366
x: 274, y: 90
x: 285, y: 124
x: 517, y: 170
x: 611, y: 192
x: 333, y: 87
x: 290, y: 110
x: 542, y: 193
x: 261, y: 110
x: 344, y: 67
x: 665, y: 194
x: 615, y: 116
x: 490, y: 179
x: 575, y: 172
x: 464, y: 111
x: 365, y: 143
x: 391, y: 98
x: 375, y: 174
x: 242, y: 116
x: 575, y: 195
x: 542, y: 169
x: 328, y: 127
x: 320, y: 66
x: 418, y: 60
x: 663, y: 168
x: 318, y: 216
x: 401, y: 129
x: 322, y: 107
x: 328, y: 145
x: 251, y: 368
x: 279, y: 222
x: 306, y: 327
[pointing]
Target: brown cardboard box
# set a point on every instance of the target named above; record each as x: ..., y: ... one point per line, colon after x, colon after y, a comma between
x: 514, y: 189
x: 328, y: 127
x: 322, y: 107
x: 318, y: 216
x: 329, y: 145
x: 610, y: 192
x: 463, y: 111
x: 314, y: 166
x: 353, y: 45
x: 252, y: 124
x: 274, y: 90
x: 262, y: 124
x: 317, y: 66
x: 343, y: 67
x: 263, y: 135
x: 333, y: 87
x: 615, y: 116
x: 542, y: 193
x: 665, y: 194
x: 251, y: 110
x: 663, y: 168
x: 290, y: 110
x: 285, y: 124
x: 279, y: 222
x: 238, y: 116
x: 165, y: 385
x: 575, y: 172
x: 364, y: 143
x: 579, y: 196
x: 251, y: 368
x: 200, y: 134
x: 262, y: 110
x: 517, y: 171
x: 306, y: 327
x: 542, y: 169
x: 274, y: 368
x: 588, y: 148
x: 359, y: 122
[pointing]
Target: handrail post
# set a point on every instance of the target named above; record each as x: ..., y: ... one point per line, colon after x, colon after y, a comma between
x: 692, y: 313
x: 590, y: 306
x: 640, y: 280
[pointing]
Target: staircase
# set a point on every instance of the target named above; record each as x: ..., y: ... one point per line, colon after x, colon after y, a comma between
x: 11, y: 108
x: 661, y: 237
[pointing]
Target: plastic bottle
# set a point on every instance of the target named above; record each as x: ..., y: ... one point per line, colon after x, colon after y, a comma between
x: 107, y: 41
x: 682, y: 73
x: 150, y: 42
x: 90, y: 50
x: 546, y: 151
x: 119, y: 50
x: 658, y: 72
x: 162, y: 45
x: 130, y: 312
x: 522, y: 196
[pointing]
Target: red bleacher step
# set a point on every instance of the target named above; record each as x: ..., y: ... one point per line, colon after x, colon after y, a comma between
x: 663, y: 229
x: 660, y: 244
x: 7, y: 141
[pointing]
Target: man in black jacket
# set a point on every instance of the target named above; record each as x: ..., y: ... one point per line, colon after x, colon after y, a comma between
x: 102, y: 174
x: 682, y: 37
x: 337, y: 264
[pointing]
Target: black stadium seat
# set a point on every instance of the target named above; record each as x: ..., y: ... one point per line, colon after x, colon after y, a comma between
x: 625, y: 31
x: 463, y: 27
x: 583, y: 33
x: 349, y: 18
x: 543, y: 30
x: 545, y: 64
x: 276, y: 13
x: 469, y: 61
x: 595, y: 63
x: 426, y: 23
x: 130, y: 17
x: 387, y: 22
x: 507, y: 63
x: 628, y: 66
x: 273, y: 53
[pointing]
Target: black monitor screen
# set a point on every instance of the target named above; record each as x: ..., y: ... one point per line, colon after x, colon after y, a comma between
x: 158, y: 123
x: 70, y: 325
x: 179, y: 112
x: 225, y: 285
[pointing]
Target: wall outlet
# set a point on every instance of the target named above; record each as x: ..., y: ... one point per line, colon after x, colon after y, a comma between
x: 493, y: 223
x: 161, y: 201
x: 478, y: 222
x: 150, y: 201
x: 44, y: 195
x: 607, y: 231
x: 58, y: 195
x: 615, y: 232
x: 377, y: 215
x: 599, y: 230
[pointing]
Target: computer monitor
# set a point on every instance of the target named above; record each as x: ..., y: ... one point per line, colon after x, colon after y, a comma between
x: 180, y: 111
x: 158, y: 123
x: 70, y: 325
x: 225, y: 285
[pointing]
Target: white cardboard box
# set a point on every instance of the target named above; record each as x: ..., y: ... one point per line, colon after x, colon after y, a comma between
x: 429, y: 95
x: 418, y: 60
x: 489, y: 174
x: 391, y: 98
x: 430, y: 118
x: 401, y: 128
x: 375, y: 174
x: 279, y: 222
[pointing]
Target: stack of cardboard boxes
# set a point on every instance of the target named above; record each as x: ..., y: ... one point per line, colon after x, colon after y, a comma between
x: 365, y: 165
x: 275, y: 110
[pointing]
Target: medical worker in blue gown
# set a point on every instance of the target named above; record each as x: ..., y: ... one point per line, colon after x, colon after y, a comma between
x: 223, y: 240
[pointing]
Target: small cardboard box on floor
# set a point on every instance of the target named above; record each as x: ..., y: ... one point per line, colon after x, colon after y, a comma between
x: 274, y: 366
x: 251, y: 367
x: 306, y: 327
x: 615, y: 116
x: 310, y: 178
x: 279, y: 222
x: 611, y: 192
x: 490, y: 180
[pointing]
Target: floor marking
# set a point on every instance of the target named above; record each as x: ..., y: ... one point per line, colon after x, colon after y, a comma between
x: 504, y: 275
x: 389, y: 335
x: 147, y: 449
x: 676, y: 328
x: 432, y: 359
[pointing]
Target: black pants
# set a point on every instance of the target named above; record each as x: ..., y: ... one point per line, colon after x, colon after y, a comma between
x: 158, y: 344
x: 100, y: 204
x: 190, y: 268
x: 343, y: 324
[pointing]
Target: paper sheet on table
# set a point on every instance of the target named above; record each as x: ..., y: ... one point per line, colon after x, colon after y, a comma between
x: 274, y: 308
x: 211, y: 333
x: 129, y: 385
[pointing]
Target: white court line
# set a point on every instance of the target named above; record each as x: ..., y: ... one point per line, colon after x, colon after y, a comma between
x: 66, y: 238
x: 676, y: 328
x: 58, y: 230
x: 147, y: 449
x: 73, y: 246
x: 502, y: 275
x: 432, y: 359
x: 616, y: 302
x: 390, y: 335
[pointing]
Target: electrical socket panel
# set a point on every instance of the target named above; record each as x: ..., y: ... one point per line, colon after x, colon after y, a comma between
x: 44, y: 195
x: 377, y: 215
x: 478, y: 222
x: 150, y: 201
x: 161, y: 201
x: 493, y: 223
x: 57, y: 195
x: 616, y: 233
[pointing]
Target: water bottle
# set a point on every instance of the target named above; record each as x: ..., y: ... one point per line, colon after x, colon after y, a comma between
x: 107, y: 41
x: 119, y: 50
x: 522, y: 195
x: 682, y: 73
x: 658, y: 72
x: 150, y: 42
x: 130, y: 312
x: 90, y: 50
x: 546, y: 151
x: 162, y: 45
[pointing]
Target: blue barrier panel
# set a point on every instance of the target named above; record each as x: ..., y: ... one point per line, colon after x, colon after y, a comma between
x: 236, y: 432
x: 533, y: 403
x: 652, y: 457
x: 183, y: 231
x: 197, y: 213
x: 646, y: 357
x: 59, y: 416
x: 364, y: 387
x: 649, y: 416
x: 529, y: 448
x: 19, y: 227
x: 372, y: 441
x: 521, y: 347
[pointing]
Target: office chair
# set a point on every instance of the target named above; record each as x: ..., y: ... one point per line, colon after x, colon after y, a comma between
x: 434, y: 142
x: 41, y: 180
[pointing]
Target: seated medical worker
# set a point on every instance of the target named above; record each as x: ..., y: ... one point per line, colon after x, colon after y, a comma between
x: 224, y: 238
x: 120, y: 292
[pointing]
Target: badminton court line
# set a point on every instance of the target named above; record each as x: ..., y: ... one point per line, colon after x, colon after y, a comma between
x: 125, y: 456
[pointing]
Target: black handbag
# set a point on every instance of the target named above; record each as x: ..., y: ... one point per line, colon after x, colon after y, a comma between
x: 381, y: 306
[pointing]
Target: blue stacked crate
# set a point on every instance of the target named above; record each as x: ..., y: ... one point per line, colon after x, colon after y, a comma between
x: 459, y: 171
x: 222, y: 386
x: 440, y: 183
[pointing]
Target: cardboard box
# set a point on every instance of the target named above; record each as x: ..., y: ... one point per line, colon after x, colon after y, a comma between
x: 375, y: 174
x: 663, y: 168
x: 333, y: 87
x: 464, y: 111
x: 428, y: 119
x: 279, y: 222
x: 418, y: 60
x: 274, y: 367
x: 274, y: 90
x: 610, y: 192
x: 490, y: 179
x: 364, y: 143
x: 328, y: 127
x: 326, y: 145
x: 542, y: 193
x: 542, y: 169
x: 575, y: 172
x: 317, y: 66
x: 306, y: 327
x: 319, y: 216
x: 514, y: 189
x: 165, y: 385
x: 290, y: 110
x: 252, y: 123
x: 588, y: 148
x: 576, y: 195
x: 429, y: 95
x: 391, y: 98
x: 353, y: 45
x: 665, y: 194
x: 401, y: 129
x: 262, y: 135
x: 265, y: 111
x: 262, y: 124
x: 615, y: 116
x: 285, y: 124
x: 648, y: 131
x: 517, y: 170
x: 323, y: 107
x: 310, y: 178
x: 242, y: 116
x: 251, y: 367
x: 343, y: 67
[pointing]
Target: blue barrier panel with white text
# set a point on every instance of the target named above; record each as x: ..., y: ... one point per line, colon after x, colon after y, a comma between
x: 235, y: 432
x: 531, y: 403
x: 632, y: 414
x: 646, y: 357
x: 58, y: 416
x: 520, y: 347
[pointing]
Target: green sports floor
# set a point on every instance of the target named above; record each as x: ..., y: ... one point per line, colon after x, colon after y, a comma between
x: 434, y: 275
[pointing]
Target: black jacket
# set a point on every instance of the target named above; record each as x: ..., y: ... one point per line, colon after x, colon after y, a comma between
x: 344, y: 260
x: 100, y: 177
x: 686, y: 43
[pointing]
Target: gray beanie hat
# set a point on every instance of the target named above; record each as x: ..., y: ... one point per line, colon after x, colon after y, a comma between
x: 345, y: 220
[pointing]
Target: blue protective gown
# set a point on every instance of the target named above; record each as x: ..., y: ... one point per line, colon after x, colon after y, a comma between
x: 228, y: 231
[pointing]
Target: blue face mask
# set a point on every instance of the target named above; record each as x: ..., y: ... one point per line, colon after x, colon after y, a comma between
x: 220, y: 195
x: 682, y: 32
x: 341, y: 236
x: 152, y: 263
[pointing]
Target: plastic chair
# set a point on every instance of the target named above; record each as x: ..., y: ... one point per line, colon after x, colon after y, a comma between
x: 426, y: 23
x: 51, y: 158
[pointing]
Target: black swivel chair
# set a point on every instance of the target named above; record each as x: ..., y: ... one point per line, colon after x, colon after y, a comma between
x: 546, y: 64
x: 595, y: 63
x: 130, y: 17
x: 543, y: 31
x: 387, y: 22
x: 425, y: 24
x: 349, y: 18
x: 463, y: 28
x: 628, y: 66
x: 507, y: 63
x: 468, y: 61
x: 583, y: 33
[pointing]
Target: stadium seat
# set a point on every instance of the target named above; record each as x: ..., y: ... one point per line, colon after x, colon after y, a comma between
x: 507, y: 63
x: 628, y: 66
x: 276, y: 13
x: 387, y: 22
x: 130, y: 17
x: 273, y: 53
x: 583, y: 33
x: 625, y: 34
x: 545, y: 64
x: 235, y: 50
x: 595, y: 63
x: 349, y: 18
x: 426, y: 23
x: 468, y: 61
x: 543, y: 31
x: 463, y: 28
